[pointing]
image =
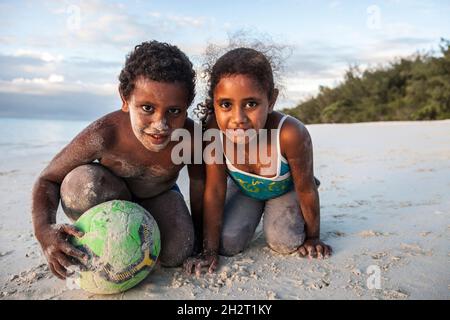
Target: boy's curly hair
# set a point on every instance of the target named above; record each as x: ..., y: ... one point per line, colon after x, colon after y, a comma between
x: 157, y: 61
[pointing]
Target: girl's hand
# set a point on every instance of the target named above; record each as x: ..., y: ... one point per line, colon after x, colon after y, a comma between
x: 314, y: 248
x: 205, y: 259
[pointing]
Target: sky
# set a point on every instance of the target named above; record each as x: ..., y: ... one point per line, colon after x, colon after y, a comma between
x: 61, y: 59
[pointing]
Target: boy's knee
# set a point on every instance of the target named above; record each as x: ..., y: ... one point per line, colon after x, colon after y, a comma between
x: 177, y: 244
x: 89, y: 185
x: 174, y: 256
x: 175, y: 225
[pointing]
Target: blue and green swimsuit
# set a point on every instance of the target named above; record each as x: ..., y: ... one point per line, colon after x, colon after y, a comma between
x: 263, y: 188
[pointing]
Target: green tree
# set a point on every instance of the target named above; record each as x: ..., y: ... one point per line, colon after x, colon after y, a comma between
x: 415, y: 88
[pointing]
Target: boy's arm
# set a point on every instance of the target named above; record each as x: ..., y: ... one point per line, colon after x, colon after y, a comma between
x: 85, y: 148
x: 297, y: 147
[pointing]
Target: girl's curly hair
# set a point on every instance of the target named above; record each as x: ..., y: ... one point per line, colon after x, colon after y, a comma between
x: 260, y: 59
x: 157, y: 61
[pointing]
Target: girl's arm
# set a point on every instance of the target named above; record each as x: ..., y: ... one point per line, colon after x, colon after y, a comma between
x: 196, y: 171
x: 297, y: 146
x: 213, y: 205
x: 196, y: 191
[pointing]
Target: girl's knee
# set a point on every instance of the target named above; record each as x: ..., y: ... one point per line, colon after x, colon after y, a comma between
x: 284, y: 227
x: 235, y: 241
x: 89, y: 185
x: 230, y: 247
x: 286, y: 246
x: 284, y: 240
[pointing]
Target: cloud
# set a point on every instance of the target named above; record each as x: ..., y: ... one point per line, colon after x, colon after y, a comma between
x: 7, y: 40
x: 334, y: 4
x: 25, y: 66
x: 55, y: 84
x: 74, y: 106
x: 387, y: 50
x: 414, y: 42
x: 82, y: 62
x: 99, y: 22
x: 39, y: 55
x: 319, y: 61
x: 53, y: 78
x: 296, y: 89
x: 31, y: 73
x: 323, y: 64
x: 186, y: 21
x: 110, y: 24
x: 154, y: 14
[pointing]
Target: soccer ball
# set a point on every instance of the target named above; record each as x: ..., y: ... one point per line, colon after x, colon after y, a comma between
x: 122, y: 240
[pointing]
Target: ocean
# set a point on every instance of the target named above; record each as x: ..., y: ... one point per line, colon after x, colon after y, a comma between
x: 28, y: 137
x: 25, y: 142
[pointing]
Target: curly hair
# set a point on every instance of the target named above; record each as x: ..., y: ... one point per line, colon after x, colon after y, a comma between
x: 157, y: 61
x: 245, y: 61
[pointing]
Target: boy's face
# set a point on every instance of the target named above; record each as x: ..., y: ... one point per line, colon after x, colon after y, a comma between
x: 156, y: 109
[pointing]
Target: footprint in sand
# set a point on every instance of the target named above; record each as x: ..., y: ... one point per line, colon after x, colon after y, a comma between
x: 415, y: 250
x: 4, y: 254
x: 339, y: 216
x: 7, y: 173
x: 32, y: 275
x: 334, y: 234
x: 372, y: 233
x: 395, y: 294
x: 353, y: 204
x: 425, y: 170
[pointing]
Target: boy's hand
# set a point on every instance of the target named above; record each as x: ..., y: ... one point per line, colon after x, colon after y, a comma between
x: 204, y: 259
x: 314, y: 248
x: 60, y: 254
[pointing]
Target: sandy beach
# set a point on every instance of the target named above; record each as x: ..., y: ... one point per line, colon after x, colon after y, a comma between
x: 385, y: 206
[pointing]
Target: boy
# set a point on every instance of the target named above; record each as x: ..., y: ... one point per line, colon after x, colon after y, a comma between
x: 127, y: 155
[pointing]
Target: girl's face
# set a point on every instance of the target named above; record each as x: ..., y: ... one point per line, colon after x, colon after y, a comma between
x: 241, y: 104
x: 156, y: 109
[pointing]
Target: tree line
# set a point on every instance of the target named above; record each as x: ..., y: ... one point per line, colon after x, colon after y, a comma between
x: 414, y: 88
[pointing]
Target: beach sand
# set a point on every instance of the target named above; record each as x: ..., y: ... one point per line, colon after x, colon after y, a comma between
x: 385, y: 207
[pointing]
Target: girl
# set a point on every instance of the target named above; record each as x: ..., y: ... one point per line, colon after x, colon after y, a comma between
x: 241, y: 100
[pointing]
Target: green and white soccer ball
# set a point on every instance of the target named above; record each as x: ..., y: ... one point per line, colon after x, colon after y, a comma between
x: 122, y: 240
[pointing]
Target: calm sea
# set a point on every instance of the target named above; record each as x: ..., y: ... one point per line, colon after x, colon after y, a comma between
x: 28, y: 137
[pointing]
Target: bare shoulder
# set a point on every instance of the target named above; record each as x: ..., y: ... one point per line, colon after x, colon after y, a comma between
x: 103, y: 131
x: 294, y: 129
x: 294, y: 136
x: 108, y: 124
